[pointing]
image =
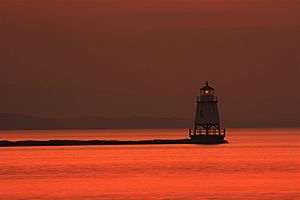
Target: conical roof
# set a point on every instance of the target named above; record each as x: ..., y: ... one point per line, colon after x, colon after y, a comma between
x: 207, y: 87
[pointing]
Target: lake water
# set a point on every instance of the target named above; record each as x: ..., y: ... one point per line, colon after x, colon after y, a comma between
x: 256, y: 164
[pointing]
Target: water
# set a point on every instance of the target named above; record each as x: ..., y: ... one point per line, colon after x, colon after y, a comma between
x: 256, y: 164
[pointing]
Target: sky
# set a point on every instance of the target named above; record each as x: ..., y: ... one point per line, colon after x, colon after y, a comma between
x: 123, y: 58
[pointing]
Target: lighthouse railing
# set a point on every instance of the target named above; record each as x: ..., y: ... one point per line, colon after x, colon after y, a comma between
x: 209, y: 132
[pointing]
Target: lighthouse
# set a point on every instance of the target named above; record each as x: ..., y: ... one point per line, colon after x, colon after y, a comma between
x: 207, y: 120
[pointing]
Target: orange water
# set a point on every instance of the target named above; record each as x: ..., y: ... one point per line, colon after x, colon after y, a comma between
x: 256, y: 164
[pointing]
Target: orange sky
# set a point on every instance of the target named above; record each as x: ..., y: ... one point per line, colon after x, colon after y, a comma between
x: 124, y: 58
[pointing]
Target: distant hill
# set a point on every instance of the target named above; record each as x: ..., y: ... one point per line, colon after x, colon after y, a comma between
x: 10, y: 121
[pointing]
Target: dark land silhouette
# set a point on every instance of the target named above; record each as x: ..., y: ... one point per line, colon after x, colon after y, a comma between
x: 9, y: 121
x: 26, y: 122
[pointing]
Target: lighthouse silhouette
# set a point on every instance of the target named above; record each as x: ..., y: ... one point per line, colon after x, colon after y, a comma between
x: 207, y: 121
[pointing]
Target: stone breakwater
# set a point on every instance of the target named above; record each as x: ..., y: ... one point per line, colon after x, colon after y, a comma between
x: 6, y: 143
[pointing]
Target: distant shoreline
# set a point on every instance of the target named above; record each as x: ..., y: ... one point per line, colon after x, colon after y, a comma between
x: 10, y: 121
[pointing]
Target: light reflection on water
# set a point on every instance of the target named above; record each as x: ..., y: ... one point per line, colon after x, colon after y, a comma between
x: 256, y: 164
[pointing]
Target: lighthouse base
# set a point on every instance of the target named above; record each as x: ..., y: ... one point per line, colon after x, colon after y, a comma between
x: 208, y: 139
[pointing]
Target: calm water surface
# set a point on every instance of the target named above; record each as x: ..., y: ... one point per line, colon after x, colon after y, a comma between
x: 256, y: 164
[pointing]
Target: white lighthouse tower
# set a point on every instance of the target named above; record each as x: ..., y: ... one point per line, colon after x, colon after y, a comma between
x: 207, y: 121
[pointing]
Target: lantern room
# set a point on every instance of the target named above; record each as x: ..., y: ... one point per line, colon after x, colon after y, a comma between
x: 207, y: 90
x: 207, y: 93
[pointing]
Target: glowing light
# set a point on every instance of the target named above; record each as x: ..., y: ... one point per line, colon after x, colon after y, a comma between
x: 206, y: 92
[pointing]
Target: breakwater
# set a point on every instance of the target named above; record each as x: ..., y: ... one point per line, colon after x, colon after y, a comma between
x: 6, y: 143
